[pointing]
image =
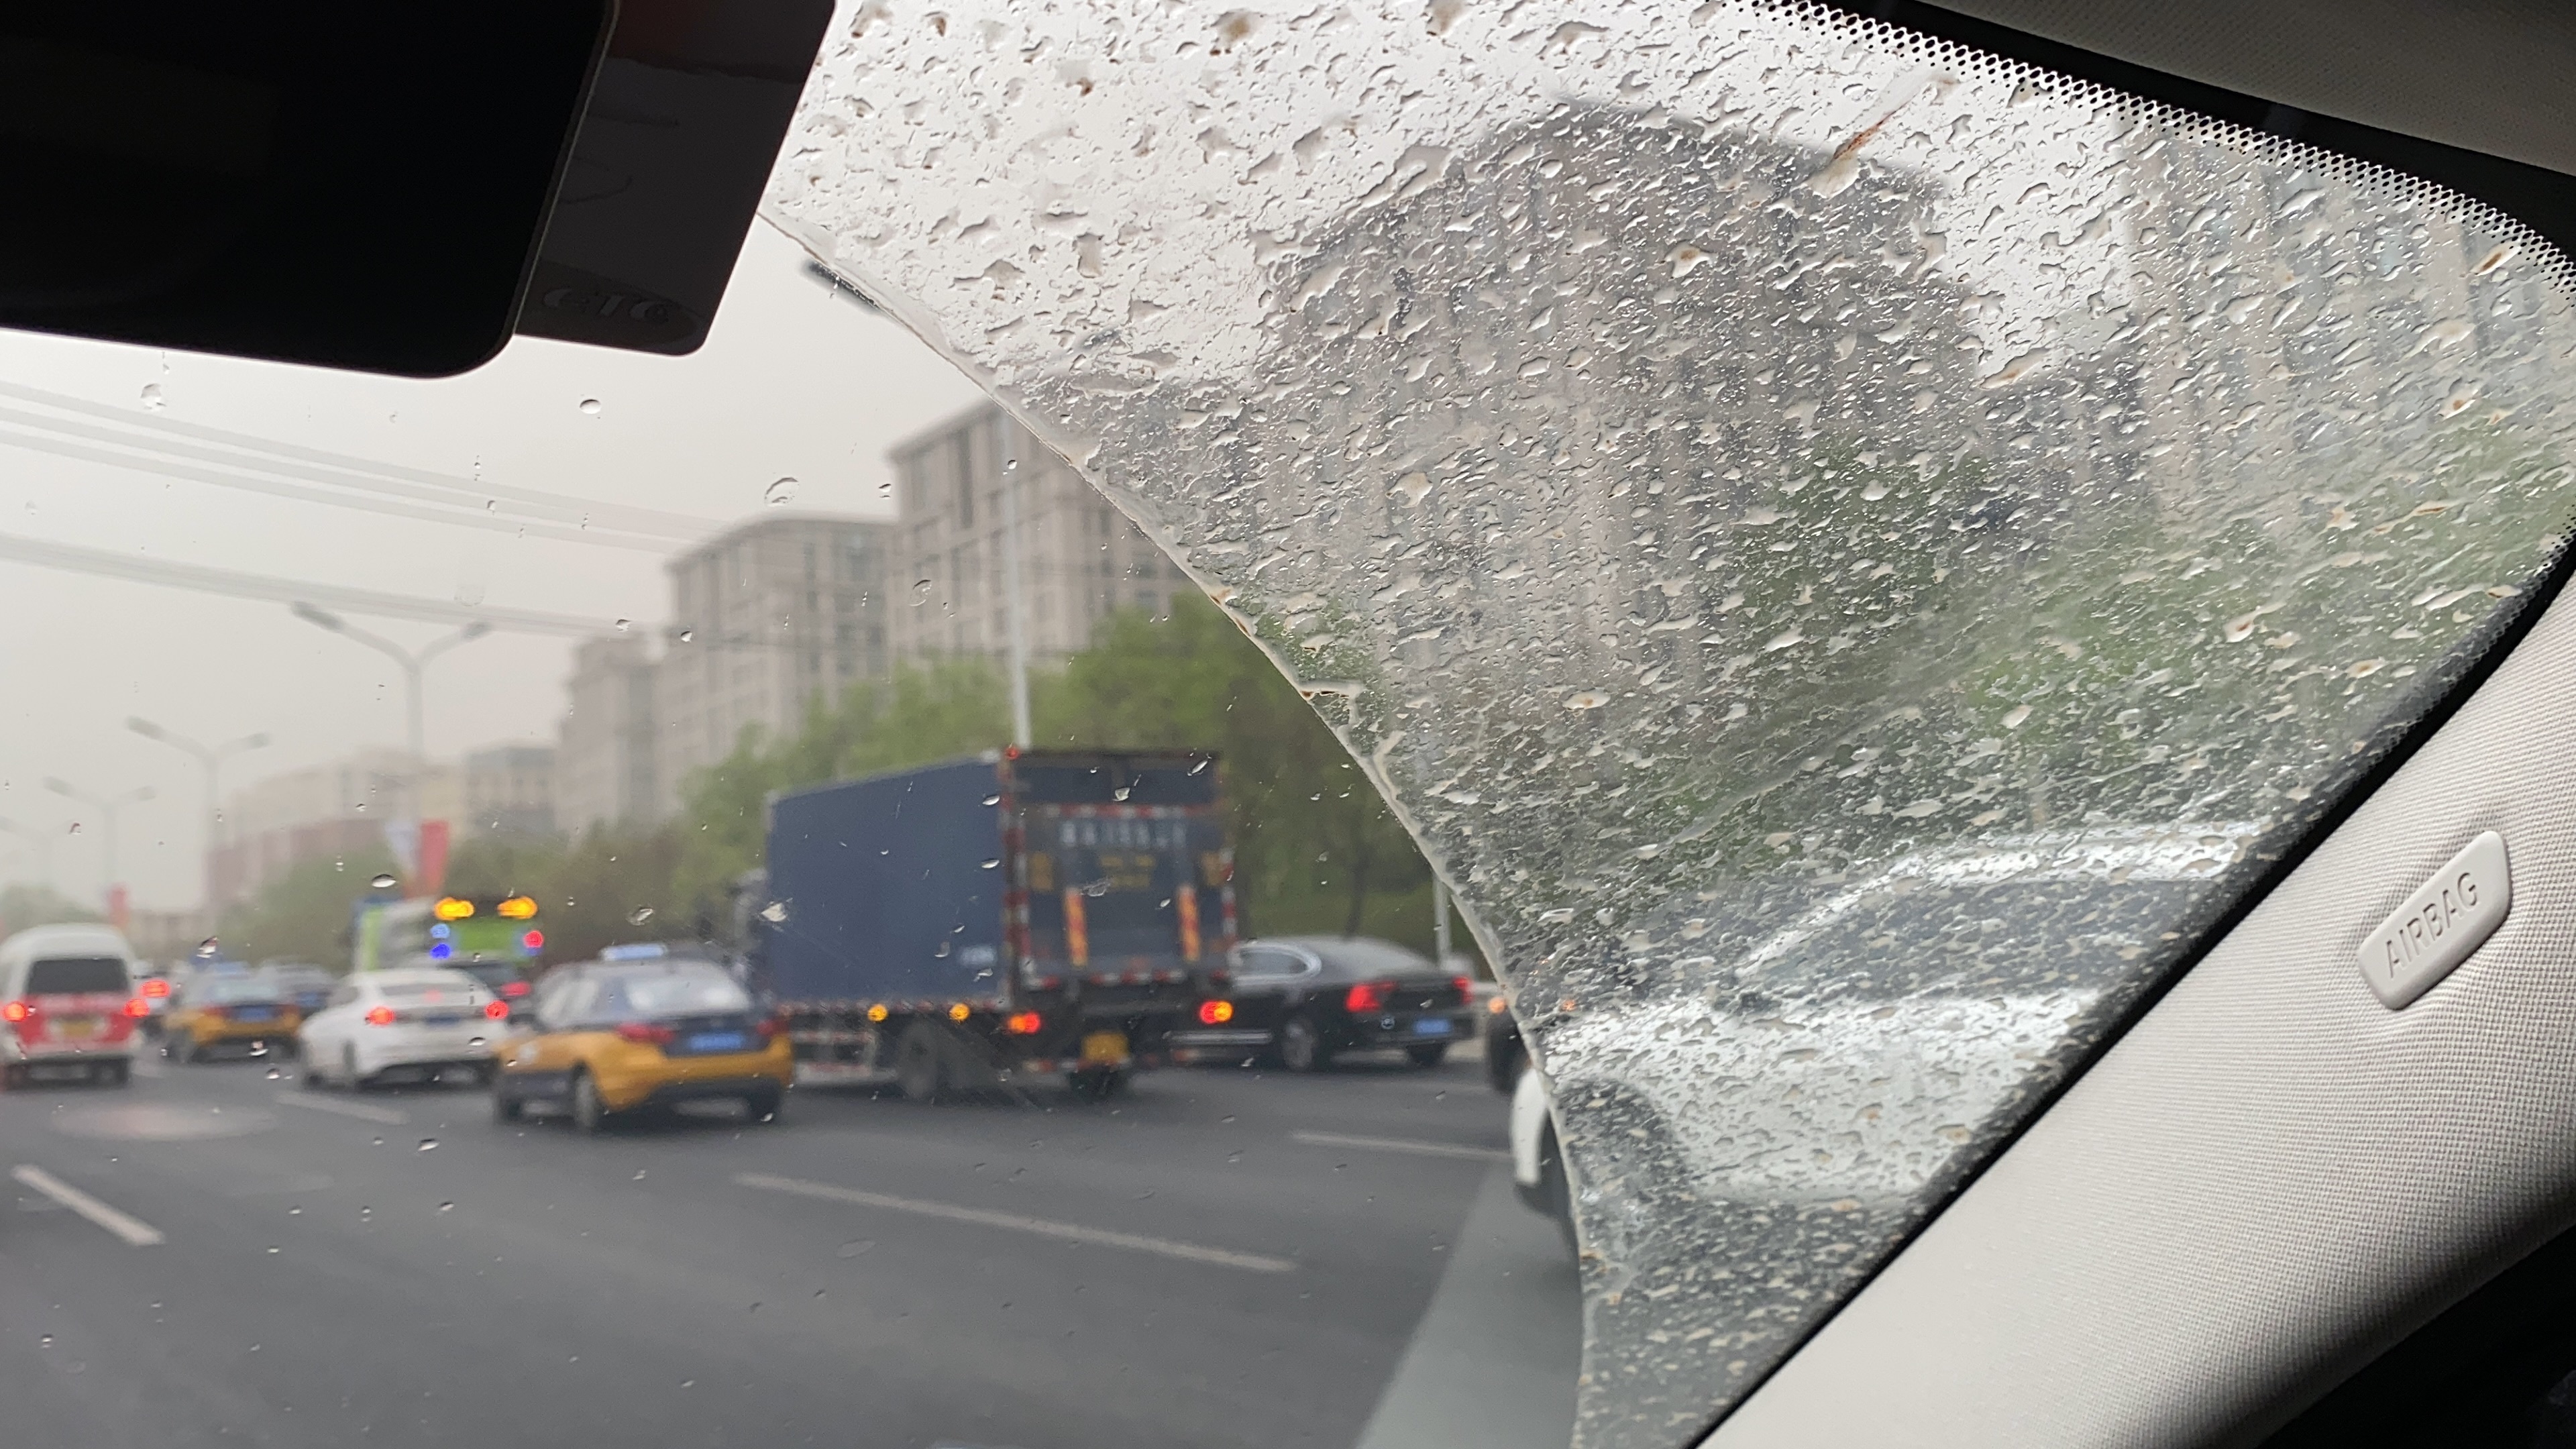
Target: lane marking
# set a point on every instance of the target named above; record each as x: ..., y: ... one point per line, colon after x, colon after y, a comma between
x: 136, y: 1232
x: 359, y: 1110
x: 1042, y: 1227
x: 1402, y: 1144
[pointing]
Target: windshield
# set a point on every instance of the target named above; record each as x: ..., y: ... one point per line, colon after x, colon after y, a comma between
x: 1818, y: 567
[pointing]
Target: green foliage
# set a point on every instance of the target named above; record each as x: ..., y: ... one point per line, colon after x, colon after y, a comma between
x: 22, y: 906
x: 1316, y: 850
x: 304, y: 914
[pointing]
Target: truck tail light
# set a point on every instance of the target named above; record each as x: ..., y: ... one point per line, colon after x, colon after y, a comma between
x: 1023, y: 1023
x: 1367, y: 996
x: 1215, y: 1013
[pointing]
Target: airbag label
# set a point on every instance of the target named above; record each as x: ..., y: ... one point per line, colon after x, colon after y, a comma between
x: 2448, y: 917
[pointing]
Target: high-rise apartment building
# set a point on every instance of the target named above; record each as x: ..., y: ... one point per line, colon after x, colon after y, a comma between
x: 765, y: 618
x: 1080, y: 559
x: 509, y: 790
x: 605, y: 766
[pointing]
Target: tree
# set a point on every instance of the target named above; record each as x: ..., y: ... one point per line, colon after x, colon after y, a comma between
x: 305, y: 914
x: 24, y: 905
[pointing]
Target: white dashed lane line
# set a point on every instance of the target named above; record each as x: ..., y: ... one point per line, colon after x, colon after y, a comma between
x: 1013, y: 1222
x: 135, y: 1231
x: 1401, y: 1144
x: 360, y: 1110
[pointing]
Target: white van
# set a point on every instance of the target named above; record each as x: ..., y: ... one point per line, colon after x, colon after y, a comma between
x: 67, y: 1004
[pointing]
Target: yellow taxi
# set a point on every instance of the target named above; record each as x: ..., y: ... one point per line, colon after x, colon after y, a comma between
x: 218, y: 1012
x: 638, y: 1032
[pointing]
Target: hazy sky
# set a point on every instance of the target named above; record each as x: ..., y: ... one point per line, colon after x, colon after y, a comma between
x: 795, y: 382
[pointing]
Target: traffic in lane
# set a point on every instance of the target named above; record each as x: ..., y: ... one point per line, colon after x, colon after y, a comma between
x: 1220, y: 1257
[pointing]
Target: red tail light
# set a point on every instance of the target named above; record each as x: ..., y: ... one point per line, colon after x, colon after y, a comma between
x: 138, y: 1007
x: 1023, y: 1023
x: 380, y: 1016
x: 771, y: 1028
x: 155, y: 987
x: 1215, y: 1013
x: 16, y: 1011
x: 1466, y: 986
x: 646, y: 1033
x: 496, y: 1009
x: 514, y: 989
x: 1367, y: 996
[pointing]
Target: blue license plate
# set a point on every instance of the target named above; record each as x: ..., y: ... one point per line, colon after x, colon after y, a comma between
x: 1431, y: 1026
x: 440, y: 1020
x: 718, y: 1041
x: 253, y: 1013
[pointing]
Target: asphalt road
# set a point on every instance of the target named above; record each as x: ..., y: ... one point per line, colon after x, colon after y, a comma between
x: 213, y: 1257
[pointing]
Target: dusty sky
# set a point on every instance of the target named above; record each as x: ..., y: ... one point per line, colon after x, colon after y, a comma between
x: 795, y: 382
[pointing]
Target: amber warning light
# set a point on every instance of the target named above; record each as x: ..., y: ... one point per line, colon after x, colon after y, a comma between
x: 517, y: 908
x: 449, y: 908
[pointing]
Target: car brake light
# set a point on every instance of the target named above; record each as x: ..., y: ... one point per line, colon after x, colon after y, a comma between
x: 514, y: 989
x: 770, y: 1027
x: 1023, y: 1023
x: 646, y: 1033
x: 1466, y: 986
x: 1215, y: 1013
x: 138, y: 1007
x: 16, y: 1011
x: 496, y: 1009
x: 155, y: 987
x: 1367, y: 996
x: 380, y: 1016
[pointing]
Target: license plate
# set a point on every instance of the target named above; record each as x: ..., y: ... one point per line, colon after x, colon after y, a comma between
x: 718, y: 1041
x: 76, y: 1027
x: 254, y: 1013
x: 440, y: 1020
x: 1104, y: 1049
x: 1431, y: 1026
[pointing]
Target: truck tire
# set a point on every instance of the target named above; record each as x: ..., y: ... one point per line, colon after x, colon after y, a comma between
x: 1099, y: 1084
x: 1302, y: 1047
x: 921, y: 1063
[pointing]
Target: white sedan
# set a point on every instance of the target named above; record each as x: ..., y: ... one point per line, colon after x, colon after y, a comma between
x: 419, y: 1022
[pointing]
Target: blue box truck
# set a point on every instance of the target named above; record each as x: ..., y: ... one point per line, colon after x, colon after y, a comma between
x: 998, y: 921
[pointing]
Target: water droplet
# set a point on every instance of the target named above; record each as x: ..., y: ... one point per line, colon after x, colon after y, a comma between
x: 427, y: 1144
x: 447, y: 1207
x: 622, y: 626
x: 475, y: 1042
x: 688, y: 634
x: 1586, y: 699
x: 993, y: 864
x: 639, y: 1174
x: 921, y: 593
x: 153, y: 402
x: 640, y: 915
x: 590, y: 407
x: 274, y: 1074
x: 853, y: 1249
x: 206, y: 947
x: 384, y: 881
x: 75, y: 830
x: 779, y: 493
x: 273, y: 1248
x: 295, y: 1212
x: 775, y: 913
x: 47, y: 1340
x: 992, y: 799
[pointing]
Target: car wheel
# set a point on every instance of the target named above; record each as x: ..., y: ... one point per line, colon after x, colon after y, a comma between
x: 506, y: 1106
x: 310, y: 1078
x: 589, y: 1113
x: 765, y: 1106
x: 1302, y: 1047
x: 1427, y: 1056
x: 921, y: 1064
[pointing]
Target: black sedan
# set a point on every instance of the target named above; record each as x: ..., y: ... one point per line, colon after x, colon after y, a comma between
x: 1305, y: 1000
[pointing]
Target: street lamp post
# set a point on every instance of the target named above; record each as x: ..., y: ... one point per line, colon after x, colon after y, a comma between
x: 211, y: 758
x: 107, y: 807
x: 412, y: 661
x: 1014, y: 596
